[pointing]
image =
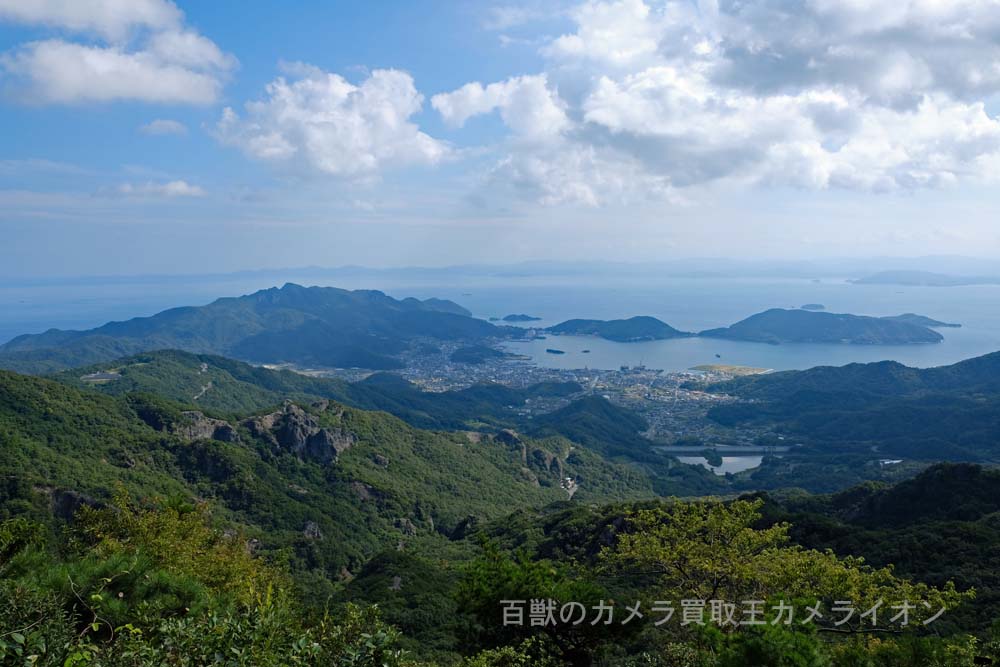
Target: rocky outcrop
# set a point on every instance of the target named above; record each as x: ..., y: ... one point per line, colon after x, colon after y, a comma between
x: 406, y: 526
x: 466, y: 527
x: 365, y: 492
x: 65, y: 503
x: 311, y: 531
x: 294, y: 430
x: 196, y: 426
x: 508, y: 437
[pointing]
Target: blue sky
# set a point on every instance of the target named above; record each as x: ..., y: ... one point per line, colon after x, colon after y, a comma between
x: 150, y: 135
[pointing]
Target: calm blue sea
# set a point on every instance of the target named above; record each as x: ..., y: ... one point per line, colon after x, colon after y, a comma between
x: 690, y: 304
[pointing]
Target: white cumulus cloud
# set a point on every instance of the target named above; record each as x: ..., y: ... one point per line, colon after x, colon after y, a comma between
x: 113, y: 19
x: 526, y: 104
x: 147, y: 55
x: 645, y: 98
x: 319, y: 121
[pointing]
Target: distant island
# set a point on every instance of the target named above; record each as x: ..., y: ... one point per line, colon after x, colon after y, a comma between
x: 921, y: 320
x: 552, y: 350
x: 924, y: 279
x: 813, y: 306
x: 521, y: 318
x: 778, y: 325
x: 634, y: 329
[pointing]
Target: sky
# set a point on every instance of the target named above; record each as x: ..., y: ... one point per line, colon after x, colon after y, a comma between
x: 151, y: 136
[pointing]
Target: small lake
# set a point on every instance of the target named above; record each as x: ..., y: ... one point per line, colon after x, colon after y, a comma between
x: 733, y: 464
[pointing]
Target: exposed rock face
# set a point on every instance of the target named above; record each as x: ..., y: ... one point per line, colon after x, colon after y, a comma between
x: 312, y: 531
x: 293, y: 429
x: 546, y: 461
x: 65, y: 503
x: 364, y: 491
x: 508, y: 437
x: 381, y: 460
x: 466, y: 527
x: 406, y: 526
x: 199, y: 427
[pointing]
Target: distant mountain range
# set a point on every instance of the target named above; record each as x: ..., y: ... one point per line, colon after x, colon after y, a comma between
x: 924, y: 279
x: 804, y: 326
x: 623, y: 331
x: 321, y: 326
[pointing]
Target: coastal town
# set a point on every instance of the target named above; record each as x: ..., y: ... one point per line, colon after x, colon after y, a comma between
x: 674, y: 404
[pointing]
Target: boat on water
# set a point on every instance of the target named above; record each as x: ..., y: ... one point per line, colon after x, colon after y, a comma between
x: 552, y: 350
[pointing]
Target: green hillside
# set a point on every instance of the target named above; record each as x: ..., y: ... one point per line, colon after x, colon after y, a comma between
x: 333, y: 484
x: 946, y: 413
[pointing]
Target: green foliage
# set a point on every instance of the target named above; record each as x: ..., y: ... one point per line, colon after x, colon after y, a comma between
x: 497, y: 576
x: 711, y: 550
x: 105, y: 604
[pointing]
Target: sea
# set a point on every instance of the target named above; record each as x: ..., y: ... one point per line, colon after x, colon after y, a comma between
x: 688, y: 304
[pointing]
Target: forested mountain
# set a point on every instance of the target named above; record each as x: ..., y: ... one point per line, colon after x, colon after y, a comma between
x: 220, y: 384
x: 949, y: 412
x: 335, y: 505
x: 296, y: 472
x: 304, y: 325
x: 779, y: 325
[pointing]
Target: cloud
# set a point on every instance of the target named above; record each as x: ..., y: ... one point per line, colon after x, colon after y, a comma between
x: 112, y: 19
x: 170, y: 189
x: 646, y: 99
x: 163, y: 126
x: 320, y: 122
x: 149, y: 55
x: 526, y: 104
x: 55, y: 71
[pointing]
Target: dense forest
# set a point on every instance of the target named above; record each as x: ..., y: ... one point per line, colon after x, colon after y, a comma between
x: 289, y: 523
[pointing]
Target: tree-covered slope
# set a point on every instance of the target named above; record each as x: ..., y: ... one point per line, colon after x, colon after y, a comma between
x: 321, y: 326
x: 333, y: 484
x: 946, y: 413
x: 216, y: 383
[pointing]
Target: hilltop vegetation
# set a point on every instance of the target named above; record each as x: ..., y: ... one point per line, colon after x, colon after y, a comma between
x: 321, y: 326
x: 94, y: 603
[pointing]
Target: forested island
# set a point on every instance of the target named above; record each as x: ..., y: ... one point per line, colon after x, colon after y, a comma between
x: 630, y: 330
x: 779, y: 325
